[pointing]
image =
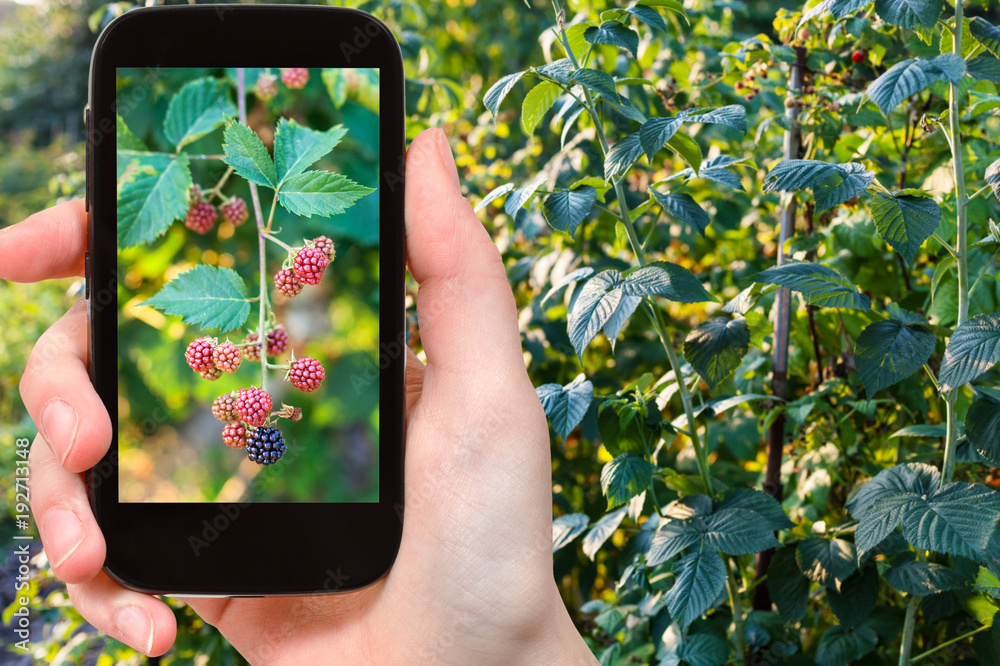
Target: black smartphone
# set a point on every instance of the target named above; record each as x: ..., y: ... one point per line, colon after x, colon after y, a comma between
x: 245, y: 278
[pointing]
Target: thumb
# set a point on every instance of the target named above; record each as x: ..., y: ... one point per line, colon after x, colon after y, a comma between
x: 465, y: 308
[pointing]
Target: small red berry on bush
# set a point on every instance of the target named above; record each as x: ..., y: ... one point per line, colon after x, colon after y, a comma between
x: 251, y: 351
x: 325, y: 245
x: 224, y: 408
x: 199, y: 354
x: 859, y: 57
x: 253, y: 405
x: 306, y: 374
x: 267, y: 86
x: 234, y: 434
x: 227, y: 357
x: 286, y: 283
x: 235, y: 212
x: 309, y: 264
x: 200, y: 217
x: 211, y: 374
x: 277, y: 340
x: 295, y: 77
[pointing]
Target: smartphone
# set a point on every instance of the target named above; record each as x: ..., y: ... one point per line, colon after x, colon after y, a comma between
x: 245, y: 277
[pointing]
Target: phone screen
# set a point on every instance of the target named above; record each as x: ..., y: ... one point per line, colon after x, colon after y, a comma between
x: 248, y: 211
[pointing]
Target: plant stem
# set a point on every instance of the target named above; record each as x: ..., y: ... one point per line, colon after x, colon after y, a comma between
x: 947, y: 643
x: 908, y: 626
x: 978, y: 193
x: 219, y: 185
x: 737, y: 604
x: 277, y: 241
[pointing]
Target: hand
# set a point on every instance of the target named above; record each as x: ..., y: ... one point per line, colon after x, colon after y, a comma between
x: 473, y: 580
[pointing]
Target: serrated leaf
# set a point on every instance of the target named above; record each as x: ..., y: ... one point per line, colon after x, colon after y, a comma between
x: 909, y: 77
x: 717, y: 171
x: 889, y: 351
x: 684, y: 208
x: 826, y: 561
x: 687, y: 148
x: 904, y: 221
x: 625, y: 477
x: 715, y: 348
x: 982, y: 427
x: 760, y: 503
x: 537, y: 103
x: 972, y: 350
x: 564, y: 210
x: 498, y: 91
x: 910, y: 13
x: 569, y: 278
x: 565, y: 406
x: 196, y: 109
x: 923, y: 578
x: 787, y: 585
x: 840, y: 646
x: 622, y: 156
x: 832, y: 184
x: 738, y: 532
x: 598, y: 81
x: 988, y: 581
x: 152, y: 193
x: 732, y: 115
x: 842, y: 8
x: 615, y: 34
x: 934, y: 431
x: 560, y: 70
x: 245, y: 152
x: 621, y: 431
x: 668, y: 280
x: 819, y: 284
x: 704, y: 649
x: 296, y: 148
x: 655, y: 133
x: 209, y: 296
x: 984, y: 67
x: 522, y: 195
x: 596, y: 306
x: 648, y: 16
x: 916, y: 478
x: 602, y: 531
x: 671, y: 538
x: 320, y: 193
x: 986, y: 34
x: 566, y: 528
x: 699, y: 578
x: 125, y: 139
x: 856, y: 598
x: 495, y: 193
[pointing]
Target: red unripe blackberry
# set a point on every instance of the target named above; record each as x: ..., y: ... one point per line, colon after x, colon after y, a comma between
x: 325, y: 245
x: 859, y: 57
x: 200, y: 217
x: 266, y: 87
x: 253, y: 405
x: 265, y: 446
x: 224, y: 408
x: 226, y: 357
x: 277, y: 340
x: 235, y: 212
x: 306, y: 374
x: 199, y: 354
x: 251, y: 351
x: 295, y: 77
x: 211, y: 374
x: 234, y: 434
x: 286, y: 283
x: 309, y: 264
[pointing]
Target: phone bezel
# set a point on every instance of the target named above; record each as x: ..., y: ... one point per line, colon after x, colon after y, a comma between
x: 265, y: 548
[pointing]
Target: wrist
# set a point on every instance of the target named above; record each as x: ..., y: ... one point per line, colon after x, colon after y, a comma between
x: 554, y: 639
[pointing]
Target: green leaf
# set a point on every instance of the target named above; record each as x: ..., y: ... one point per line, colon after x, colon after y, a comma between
x: 684, y: 208
x: 622, y: 156
x: 988, y: 581
x: 828, y: 562
x: 687, y: 148
x: 732, y: 115
x: 564, y: 210
x: 909, y: 77
x: 565, y: 406
x: 601, y: 302
x: 788, y: 586
x: 916, y: 478
x: 648, y: 16
x: 832, y: 184
x: 598, y: 81
x: 666, y: 279
x: 984, y: 67
x: 245, y: 152
x: 498, y: 91
x: 704, y: 649
x: 715, y: 348
x: 616, y: 34
x: 760, y: 328
x: 522, y: 195
x: 840, y: 646
x: 621, y: 428
x: 933, y: 431
x: 671, y: 538
x: 625, y: 477
x: 856, y: 598
x: 655, y: 133
x: 973, y: 349
x: 126, y: 140
x: 495, y: 193
x: 986, y: 34
x: 320, y: 193
x: 982, y: 427
x: 909, y: 13
x: 537, y: 103
x: 819, y: 284
x: 717, y: 171
x: 842, y: 8
x: 152, y: 193
x: 198, y: 108
x: 923, y: 578
x: 888, y: 351
x: 207, y: 295
x: 762, y: 504
x: 738, y: 532
x: 904, y: 221
x: 568, y: 527
x: 699, y: 578
x: 296, y: 148
x: 602, y: 531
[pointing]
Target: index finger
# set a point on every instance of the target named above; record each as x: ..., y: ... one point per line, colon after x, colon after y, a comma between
x: 49, y: 244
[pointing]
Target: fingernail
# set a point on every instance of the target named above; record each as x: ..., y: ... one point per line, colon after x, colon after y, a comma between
x: 62, y: 534
x: 136, y: 627
x: 59, y: 421
x: 449, y: 159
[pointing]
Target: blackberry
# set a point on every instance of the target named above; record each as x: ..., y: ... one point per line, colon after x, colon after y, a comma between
x: 265, y: 446
x: 306, y: 374
x: 325, y: 245
x: 286, y: 283
x: 277, y: 340
x: 251, y: 351
x: 200, y: 217
x: 226, y: 357
x: 234, y: 434
x: 295, y: 77
x: 266, y: 87
x: 211, y: 374
x: 199, y: 354
x: 253, y: 405
x: 235, y: 212
x: 224, y: 408
x: 309, y: 264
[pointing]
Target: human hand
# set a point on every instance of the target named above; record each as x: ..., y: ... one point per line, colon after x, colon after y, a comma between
x: 473, y: 578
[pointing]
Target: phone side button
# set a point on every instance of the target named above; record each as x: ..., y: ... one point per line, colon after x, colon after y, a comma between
x: 87, y: 141
x: 86, y: 275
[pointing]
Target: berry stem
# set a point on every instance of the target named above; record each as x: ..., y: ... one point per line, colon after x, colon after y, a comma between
x: 218, y: 186
x: 275, y: 240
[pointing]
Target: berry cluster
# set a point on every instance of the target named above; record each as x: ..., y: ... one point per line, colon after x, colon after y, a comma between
x: 295, y: 78
x: 266, y: 88
x: 201, y: 215
x: 210, y: 359
x: 304, y: 265
x: 749, y: 87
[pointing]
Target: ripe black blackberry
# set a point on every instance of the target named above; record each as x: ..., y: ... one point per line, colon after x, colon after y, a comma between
x: 265, y: 446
